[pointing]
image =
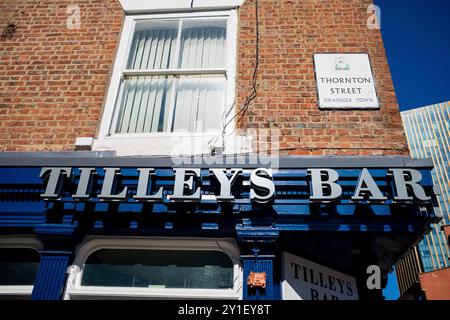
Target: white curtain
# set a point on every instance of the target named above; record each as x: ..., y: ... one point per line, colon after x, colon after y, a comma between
x: 145, y: 104
x: 153, y: 49
x: 198, y: 100
x: 202, y: 46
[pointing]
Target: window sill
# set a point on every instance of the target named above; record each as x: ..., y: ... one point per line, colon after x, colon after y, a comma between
x: 87, y: 293
x: 169, y: 144
x: 16, y: 291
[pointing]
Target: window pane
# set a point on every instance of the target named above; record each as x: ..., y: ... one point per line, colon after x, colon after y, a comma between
x: 154, y: 45
x: 158, y: 268
x: 18, y: 266
x: 199, y: 103
x: 145, y: 104
x: 203, y: 44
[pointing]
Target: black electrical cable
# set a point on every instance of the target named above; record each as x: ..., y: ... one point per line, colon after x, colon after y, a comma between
x: 254, y: 92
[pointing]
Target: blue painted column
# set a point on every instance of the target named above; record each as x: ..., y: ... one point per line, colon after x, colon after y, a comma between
x: 51, y: 275
x: 258, y: 247
x: 258, y: 264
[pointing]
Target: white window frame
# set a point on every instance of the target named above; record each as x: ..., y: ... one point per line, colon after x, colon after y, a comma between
x: 108, y: 140
x: 9, y: 242
x: 140, y: 6
x: 74, y: 290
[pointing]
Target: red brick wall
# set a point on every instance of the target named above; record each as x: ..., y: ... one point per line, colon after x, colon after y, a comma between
x: 436, y: 284
x: 290, y: 33
x: 53, y: 80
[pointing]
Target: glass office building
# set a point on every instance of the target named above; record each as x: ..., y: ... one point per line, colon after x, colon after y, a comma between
x: 427, y: 131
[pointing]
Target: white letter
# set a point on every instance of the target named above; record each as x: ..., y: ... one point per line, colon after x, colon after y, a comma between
x: 54, y: 181
x: 367, y: 187
x: 181, y: 182
x: 262, y: 183
x: 318, y: 184
x: 108, y: 183
x: 225, y: 183
x: 401, y: 185
x: 141, y: 192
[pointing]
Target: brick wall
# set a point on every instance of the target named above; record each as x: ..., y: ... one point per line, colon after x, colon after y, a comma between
x: 436, y: 284
x: 290, y: 33
x: 53, y: 80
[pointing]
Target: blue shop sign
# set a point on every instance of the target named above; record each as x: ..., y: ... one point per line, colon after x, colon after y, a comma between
x: 186, y: 184
x: 300, y: 194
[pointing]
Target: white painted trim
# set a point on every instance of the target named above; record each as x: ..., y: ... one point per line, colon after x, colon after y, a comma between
x: 16, y: 291
x: 189, y: 72
x: 114, y: 84
x: 84, y: 143
x: 232, y: 36
x: 145, y: 6
x: 180, y: 133
x: 181, y: 15
x: 172, y: 144
x: 110, y: 293
x: 156, y: 143
x: 161, y: 143
x: 19, y: 242
x: 74, y: 289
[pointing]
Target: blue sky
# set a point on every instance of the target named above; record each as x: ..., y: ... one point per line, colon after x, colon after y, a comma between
x: 416, y: 36
x: 391, y: 292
